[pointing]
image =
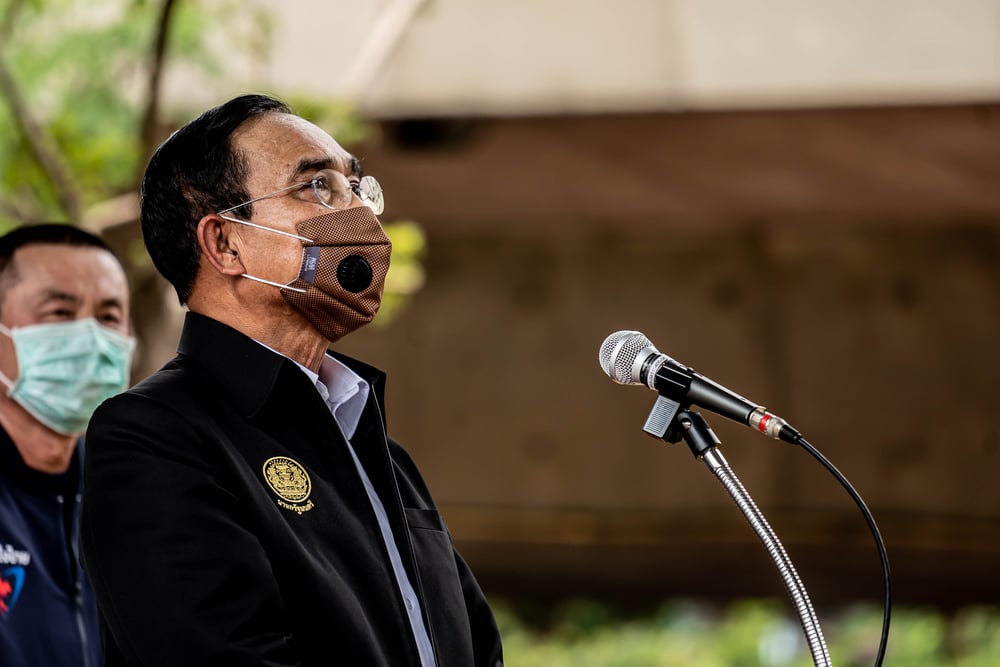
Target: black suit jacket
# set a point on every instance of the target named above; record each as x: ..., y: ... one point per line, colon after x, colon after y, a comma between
x: 225, y: 523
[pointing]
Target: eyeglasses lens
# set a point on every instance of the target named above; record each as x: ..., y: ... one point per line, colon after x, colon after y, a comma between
x: 371, y: 194
x: 334, y: 191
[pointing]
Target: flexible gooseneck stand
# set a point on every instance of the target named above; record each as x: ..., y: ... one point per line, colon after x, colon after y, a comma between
x: 672, y: 422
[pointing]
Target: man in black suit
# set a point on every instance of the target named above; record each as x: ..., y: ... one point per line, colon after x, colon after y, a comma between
x: 244, y: 505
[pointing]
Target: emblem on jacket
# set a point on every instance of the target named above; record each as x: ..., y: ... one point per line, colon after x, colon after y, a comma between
x: 12, y: 564
x: 290, y: 482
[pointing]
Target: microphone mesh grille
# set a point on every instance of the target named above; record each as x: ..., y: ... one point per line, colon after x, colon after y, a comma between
x: 618, y: 354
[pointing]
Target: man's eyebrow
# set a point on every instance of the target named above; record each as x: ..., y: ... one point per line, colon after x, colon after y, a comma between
x: 310, y: 165
x: 73, y: 299
x: 56, y: 295
x: 112, y: 302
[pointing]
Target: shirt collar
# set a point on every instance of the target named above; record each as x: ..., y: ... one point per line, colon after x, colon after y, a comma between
x: 344, y: 391
x: 347, y: 393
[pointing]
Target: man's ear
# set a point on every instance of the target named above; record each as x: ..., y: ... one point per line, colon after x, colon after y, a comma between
x: 217, y: 245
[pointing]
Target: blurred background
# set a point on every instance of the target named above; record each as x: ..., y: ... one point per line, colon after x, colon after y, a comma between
x: 800, y: 199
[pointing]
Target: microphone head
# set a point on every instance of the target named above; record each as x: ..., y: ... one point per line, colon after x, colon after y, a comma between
x: 619, y: 353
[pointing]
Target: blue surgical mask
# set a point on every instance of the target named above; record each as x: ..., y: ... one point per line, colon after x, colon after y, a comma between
x: 67, y: 369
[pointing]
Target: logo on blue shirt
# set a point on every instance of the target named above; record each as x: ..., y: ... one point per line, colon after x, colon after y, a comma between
x: 11, y: 582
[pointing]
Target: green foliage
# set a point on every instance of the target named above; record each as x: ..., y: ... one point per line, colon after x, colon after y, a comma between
x: 750, y: 633
x: 82, y: 67
x: 406, y: 271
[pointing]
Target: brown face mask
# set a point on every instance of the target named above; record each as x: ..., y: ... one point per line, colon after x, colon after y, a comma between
x: 343, y: 271
x: 345, y: 257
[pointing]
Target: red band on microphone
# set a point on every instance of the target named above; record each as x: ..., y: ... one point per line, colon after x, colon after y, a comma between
x: 762, y: 426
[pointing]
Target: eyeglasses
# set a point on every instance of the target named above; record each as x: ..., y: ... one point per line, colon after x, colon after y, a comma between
x: 333, y: 190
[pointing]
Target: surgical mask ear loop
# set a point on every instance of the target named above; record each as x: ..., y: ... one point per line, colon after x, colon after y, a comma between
x: 3, y: 376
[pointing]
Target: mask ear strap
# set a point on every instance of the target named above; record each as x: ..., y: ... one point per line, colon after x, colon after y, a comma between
x: 266, y: 229
x: 271, y: 282
x: 7, y: 382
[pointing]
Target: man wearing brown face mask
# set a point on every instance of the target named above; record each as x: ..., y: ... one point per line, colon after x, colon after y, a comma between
x: 244, y: 505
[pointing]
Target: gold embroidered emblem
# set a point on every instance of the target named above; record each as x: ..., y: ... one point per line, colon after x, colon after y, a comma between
x: 290, y: 481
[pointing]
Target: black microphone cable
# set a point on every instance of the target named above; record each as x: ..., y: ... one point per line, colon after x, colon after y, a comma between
x: 879, y: 544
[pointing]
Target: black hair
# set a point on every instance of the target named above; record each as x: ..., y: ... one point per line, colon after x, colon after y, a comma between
x: 193, y: 173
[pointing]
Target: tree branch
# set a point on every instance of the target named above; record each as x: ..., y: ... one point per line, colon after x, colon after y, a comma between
x: 42, y: 148
x: 7, y: 23
x: 150, y: 116
x: 11, y: 210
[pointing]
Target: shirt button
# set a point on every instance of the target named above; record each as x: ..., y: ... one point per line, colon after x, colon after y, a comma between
x: 409, y: 604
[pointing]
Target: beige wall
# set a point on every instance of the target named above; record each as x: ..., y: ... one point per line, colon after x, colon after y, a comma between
x: 453, y: 57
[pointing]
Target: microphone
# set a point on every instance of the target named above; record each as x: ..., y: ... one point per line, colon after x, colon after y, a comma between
x: 628, y: 357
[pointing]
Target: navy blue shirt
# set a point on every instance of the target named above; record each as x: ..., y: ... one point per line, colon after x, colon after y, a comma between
x: 48, y: 617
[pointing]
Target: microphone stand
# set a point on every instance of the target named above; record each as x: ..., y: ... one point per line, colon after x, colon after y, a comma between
x: 672, y: 422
